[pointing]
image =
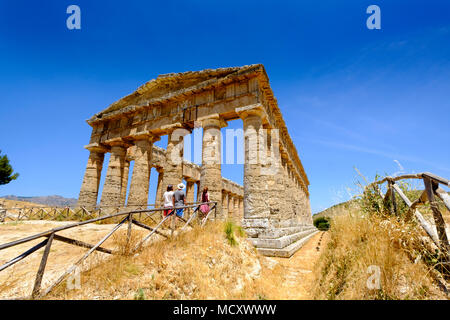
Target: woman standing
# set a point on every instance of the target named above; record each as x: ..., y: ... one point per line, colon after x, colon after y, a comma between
x: 168, y: 199
x: 204, y: 208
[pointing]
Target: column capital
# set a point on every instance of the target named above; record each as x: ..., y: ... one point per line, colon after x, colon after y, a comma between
x: 97, y: 147
x: 169, y: 129
x: 118, y: 142
x: 214, y: 120
x: 251, y: 110
x: 145, y: 136
x: 119, y: 150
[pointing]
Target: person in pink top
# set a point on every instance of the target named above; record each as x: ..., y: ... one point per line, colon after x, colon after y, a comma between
x: 204, y: 208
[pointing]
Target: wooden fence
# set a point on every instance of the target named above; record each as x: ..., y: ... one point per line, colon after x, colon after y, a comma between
x: 65, y: 213
x: 432, y: 192
x: 127, y: 216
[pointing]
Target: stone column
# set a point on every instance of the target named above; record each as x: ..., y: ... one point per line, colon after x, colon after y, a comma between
x: 291, y: 190
x: 235, y: 208
x: 140, y: 180
x: 126, y: 171
x: 112, y: 190
x: 199, y: 192
x: 211, y: 172
x: 272, y: 173
x: 295, y: 194
x: 254, y: 185
x: 241, y: 208
x: 190, y: 190
x: 91, y: 181
x: 308, y: 211
x: 173, y: 171
x: 159, y: 188
x: 230, y: 205
x: 286, y: 196
x: 225, y: 204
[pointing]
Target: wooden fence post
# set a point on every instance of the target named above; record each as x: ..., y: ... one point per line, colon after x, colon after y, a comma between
x: 392, y: 196
x: 430, y: 187
x: 40, y: 273
x: 130, y: 224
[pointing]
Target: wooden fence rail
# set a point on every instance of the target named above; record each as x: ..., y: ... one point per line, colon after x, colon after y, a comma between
x: 432, y: 190
x: 65, y: 213
x: 51, y: 235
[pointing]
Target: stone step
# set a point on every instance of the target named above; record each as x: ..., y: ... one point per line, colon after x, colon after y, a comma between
x: 285, y: 223
x: 281, y: 242
x: 281, y: 232
x: 287, y: 251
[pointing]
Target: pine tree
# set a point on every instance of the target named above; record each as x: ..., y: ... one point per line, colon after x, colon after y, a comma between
x: 6, y: 171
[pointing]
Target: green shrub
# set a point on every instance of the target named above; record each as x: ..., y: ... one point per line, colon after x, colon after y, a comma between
x: 229, y: 232
x: 322, y: 223
x: 140, y: 295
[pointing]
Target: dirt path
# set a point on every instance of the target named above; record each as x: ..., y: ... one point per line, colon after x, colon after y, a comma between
x: 299, y: 277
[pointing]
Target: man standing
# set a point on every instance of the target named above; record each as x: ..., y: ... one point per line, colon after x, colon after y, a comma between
x: 179, y: 200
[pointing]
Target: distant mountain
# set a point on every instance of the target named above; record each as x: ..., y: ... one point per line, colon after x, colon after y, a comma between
x: 53, y: 201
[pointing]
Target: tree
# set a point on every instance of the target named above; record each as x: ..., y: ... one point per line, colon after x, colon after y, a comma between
x: 6, y: 171
x: 322, y: 223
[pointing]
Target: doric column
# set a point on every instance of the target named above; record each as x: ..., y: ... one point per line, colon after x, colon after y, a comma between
x: 126, y: 171
x: 159, y: 188
x: 190, y: 190
x: 112, y: 190
x: 309, y: 218
x: 230, y: 205
x: 286, y: 192
x: 254, y: 184
x: 295, y: 194
x: 241, y: 208
x: 211, y: 172
x: 91, y: 181
x: 173, y: 171
x: 225, y: 203
x: 199, y: 192
x: 235, y: 207
x: 140, y: 179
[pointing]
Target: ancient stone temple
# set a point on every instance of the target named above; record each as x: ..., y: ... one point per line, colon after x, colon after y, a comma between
x: 272, y: 206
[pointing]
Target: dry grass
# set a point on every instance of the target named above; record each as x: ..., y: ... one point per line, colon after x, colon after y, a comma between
x: 358, y: 241
x: 199, y: 264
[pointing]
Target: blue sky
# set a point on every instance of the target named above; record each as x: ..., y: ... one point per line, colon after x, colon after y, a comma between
x: 351, y: 97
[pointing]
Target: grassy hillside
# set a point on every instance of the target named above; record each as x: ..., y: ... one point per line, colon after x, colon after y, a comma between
x: 337, y: 209
x: 361, y: 246
x: 367, y: 243
x: 199, y: 264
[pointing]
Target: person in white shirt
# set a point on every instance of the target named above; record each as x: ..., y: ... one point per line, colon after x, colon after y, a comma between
x: 168, y: 199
